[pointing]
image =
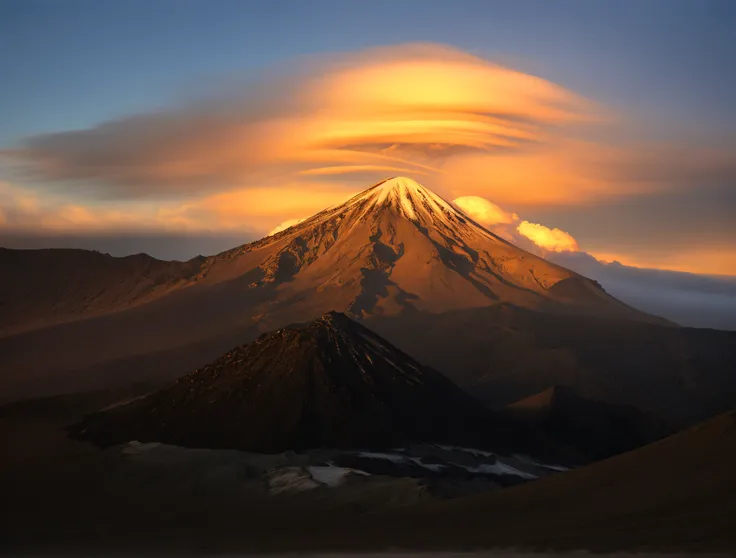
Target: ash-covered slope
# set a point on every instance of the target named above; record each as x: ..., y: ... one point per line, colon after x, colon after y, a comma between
x: 398, y: 246
x: 330, y: 383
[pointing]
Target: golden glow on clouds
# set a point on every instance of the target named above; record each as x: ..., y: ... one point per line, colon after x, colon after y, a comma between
x: 400, y: 110
x: 484, y: 212
x: 460, y: 123
x: 715, y: 260
x: 23, y: 211
x: 498, y: 220
x: 553, y: 240
x: 259, y: 209
x: 566, y: 173
x: 253, y: 211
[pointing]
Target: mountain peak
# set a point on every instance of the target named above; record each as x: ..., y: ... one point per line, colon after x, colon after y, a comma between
x: 400, y: 184
x: 396, y: 247
x: 406, y: 197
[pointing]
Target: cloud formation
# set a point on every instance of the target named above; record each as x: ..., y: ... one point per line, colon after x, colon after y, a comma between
x: 553, y: 240
x: 285, y: 225
x: 23, y: 210
x: 405, y: 109
x: 530, y: 236
x: 250, y: 212
x: 686, y: 298
x: 712, y: 259
x: 484, y: 211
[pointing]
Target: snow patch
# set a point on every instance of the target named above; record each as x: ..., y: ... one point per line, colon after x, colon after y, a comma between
x: 472, y: 451
x: 498, y: 468
x: 388, y: 456
x: 436, y: 467
x: 333, y: 476
x: 530, y: 461
x: 135, y: 447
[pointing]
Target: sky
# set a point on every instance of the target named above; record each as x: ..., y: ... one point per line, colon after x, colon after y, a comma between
x: 179, y: 127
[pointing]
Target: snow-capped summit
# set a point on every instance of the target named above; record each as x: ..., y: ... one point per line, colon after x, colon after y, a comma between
x: 395, y: 247
x: 405, y: 195
x: 410, y: 200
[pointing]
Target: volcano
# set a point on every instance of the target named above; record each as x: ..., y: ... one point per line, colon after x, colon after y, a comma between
x: 400, y: 247
x: 395, y: 247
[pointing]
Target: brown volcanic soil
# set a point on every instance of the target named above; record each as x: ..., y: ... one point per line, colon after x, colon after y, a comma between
x: 65, y: 496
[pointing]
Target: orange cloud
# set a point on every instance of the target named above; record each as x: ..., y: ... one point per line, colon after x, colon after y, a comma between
x: 397, y: 110
x: 484, y: 211
x: 23, y: 210
x: 573, y: 172
x: 713, y: 260
x: 554, y: 240
x: 254, y: 210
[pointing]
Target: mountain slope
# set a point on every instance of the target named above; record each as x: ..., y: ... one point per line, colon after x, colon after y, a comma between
x: 596, y: 428
x: 675, y: 494
x: 43, y: 287
x: 502, y: 354
x: 328, y: 383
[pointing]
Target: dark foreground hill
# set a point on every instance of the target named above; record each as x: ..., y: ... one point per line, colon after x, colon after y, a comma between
x: 68, y: 497
x: 330, y: 383
x: 676, y: 494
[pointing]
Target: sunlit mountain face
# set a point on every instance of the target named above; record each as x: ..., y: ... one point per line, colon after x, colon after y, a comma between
x: 396, y: 247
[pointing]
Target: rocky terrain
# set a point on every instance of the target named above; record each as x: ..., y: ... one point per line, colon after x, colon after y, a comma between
x: 72, y: 497
x: 330, y: 383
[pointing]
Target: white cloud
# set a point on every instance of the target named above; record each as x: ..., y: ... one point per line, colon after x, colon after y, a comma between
x: 554, y: 240
x: 484, y: 211
x: 285, y: 225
